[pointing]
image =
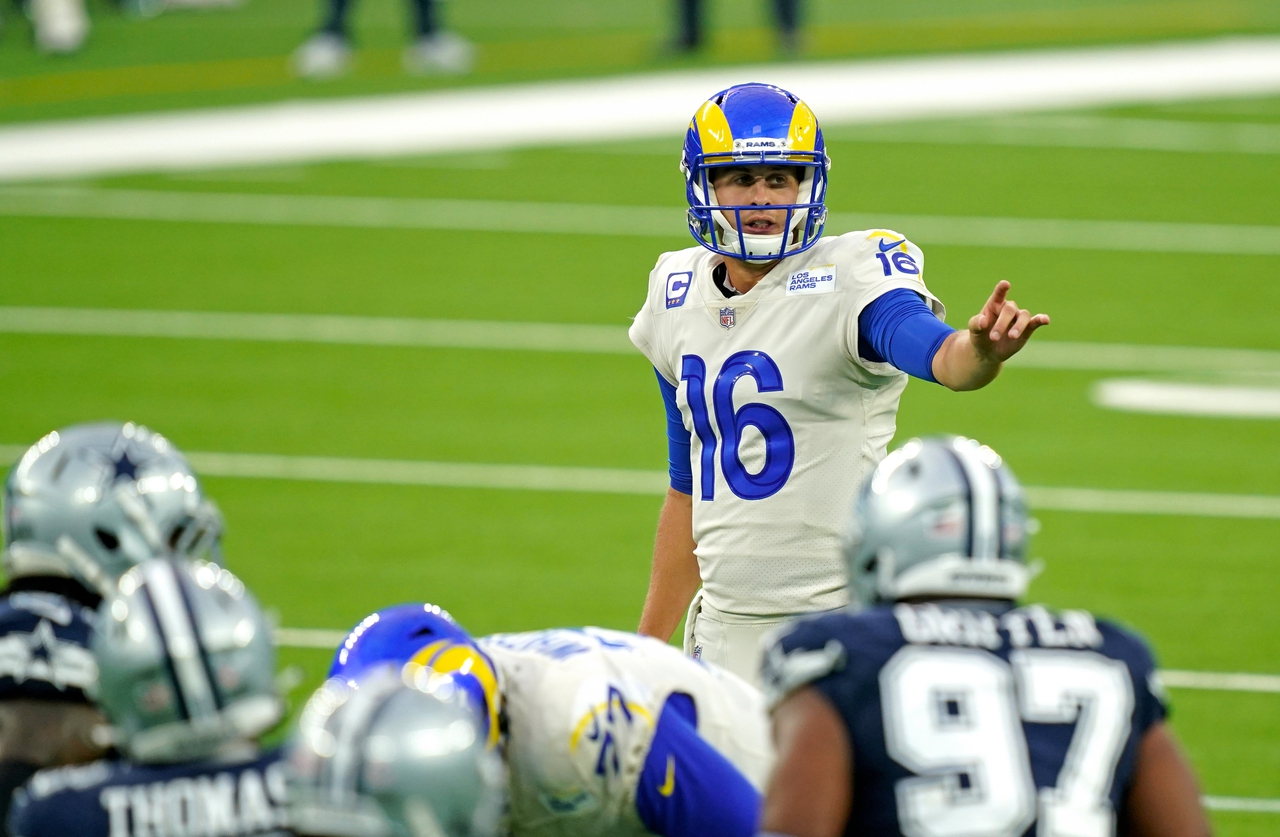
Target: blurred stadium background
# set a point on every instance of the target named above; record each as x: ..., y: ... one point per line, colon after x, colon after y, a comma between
x: 512, y: 472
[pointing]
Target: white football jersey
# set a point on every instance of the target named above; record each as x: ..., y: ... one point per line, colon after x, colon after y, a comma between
x: 581, y: 707
x: 785, y: 418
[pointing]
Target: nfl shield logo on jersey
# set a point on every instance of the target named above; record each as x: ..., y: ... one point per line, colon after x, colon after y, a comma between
x: 727, y: 319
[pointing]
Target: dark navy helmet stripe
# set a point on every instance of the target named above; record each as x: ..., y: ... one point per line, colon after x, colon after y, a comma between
x: 968, y: 499
x: 205, y: 661
x: 183, y: 712
x: 984, y: 493
x: 164, y: 588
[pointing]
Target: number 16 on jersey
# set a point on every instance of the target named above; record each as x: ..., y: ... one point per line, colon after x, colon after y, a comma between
x: 779, y: 443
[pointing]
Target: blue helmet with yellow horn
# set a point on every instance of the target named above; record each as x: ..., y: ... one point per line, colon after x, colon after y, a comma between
x: 434, y: 651
x: 751, y: 125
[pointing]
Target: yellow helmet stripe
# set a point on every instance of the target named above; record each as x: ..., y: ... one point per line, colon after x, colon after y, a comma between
x: 804, y: 129
x: 713, y: 129
x: 446, y: 657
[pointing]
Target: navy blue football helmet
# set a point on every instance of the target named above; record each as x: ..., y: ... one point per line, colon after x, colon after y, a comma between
x: 755, y: 124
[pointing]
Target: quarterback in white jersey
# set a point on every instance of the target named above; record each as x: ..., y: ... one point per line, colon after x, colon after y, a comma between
x: 603, y: 732
x: 782, y: 357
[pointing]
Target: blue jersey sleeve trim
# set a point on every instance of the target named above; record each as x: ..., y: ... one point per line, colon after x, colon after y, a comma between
x: 678, y: 440
x: 899, y: 329
x: 687, y: 788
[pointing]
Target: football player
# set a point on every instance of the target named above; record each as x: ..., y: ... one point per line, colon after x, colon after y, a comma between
x: 395, y: 760
x: 944, y: 708
x: 602, y: 732
x: 186, y: 670
x: 81, y: 506
x: 781, y: 357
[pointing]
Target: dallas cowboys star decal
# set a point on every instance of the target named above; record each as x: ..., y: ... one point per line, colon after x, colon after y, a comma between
x: 126, y: 468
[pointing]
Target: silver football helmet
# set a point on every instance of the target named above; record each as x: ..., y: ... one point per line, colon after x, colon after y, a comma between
x: 941, y: 517
x: 389, y: 759
x: 91, y: 501
x: 186, y: 662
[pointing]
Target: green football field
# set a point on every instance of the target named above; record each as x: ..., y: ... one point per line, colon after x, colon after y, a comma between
x: 323, y: 553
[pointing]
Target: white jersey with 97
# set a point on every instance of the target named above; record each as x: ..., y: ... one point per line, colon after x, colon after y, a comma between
x: 785, y: 417
x: 581, y: 709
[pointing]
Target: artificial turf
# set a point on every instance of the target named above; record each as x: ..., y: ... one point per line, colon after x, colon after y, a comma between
x: 323, y: 555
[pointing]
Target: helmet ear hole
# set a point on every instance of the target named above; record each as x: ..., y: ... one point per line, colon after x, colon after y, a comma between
x: 107, y: 539
x: 871, y: 564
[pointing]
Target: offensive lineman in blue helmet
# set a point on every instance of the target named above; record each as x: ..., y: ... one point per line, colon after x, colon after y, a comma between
x: 942, y: 707
x: 603, y: 733
x: 781, y: 356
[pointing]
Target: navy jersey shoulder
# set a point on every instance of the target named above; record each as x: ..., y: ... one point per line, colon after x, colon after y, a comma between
x: 919, y: 686
x: 44, y: 647
x: 121, y: 799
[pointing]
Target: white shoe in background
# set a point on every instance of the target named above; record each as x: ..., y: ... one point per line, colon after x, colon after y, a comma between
x: 324, y: 55
x: 61, y: 26
x: 443, y: 52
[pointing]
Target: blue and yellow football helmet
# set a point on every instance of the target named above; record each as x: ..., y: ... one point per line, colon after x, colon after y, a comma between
x: 755, y: 124
x: 435, y: 652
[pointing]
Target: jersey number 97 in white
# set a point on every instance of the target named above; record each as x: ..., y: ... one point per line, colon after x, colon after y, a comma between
x: 779, y: 443
x: 952, y: 716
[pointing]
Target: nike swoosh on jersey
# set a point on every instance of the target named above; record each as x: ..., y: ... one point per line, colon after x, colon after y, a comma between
x: 884, y: 248
x: 669, y: 786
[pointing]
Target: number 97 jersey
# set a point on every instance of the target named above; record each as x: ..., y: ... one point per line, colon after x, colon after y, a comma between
x: 784, y: 416
x: 965, y: 721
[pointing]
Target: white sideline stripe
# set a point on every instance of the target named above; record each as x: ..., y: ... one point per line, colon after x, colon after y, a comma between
x: 1221, y: 681
x: 546, y: 337
x: 1068, y: 131
x: 634, y: 481
x: 1236, y: 803
x: 636, y: 106
x: 593, y: 219
x: 1135, y: 395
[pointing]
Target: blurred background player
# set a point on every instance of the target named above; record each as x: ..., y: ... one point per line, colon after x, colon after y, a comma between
x: 391, y: 759
x: 82, y: 506
x: 435, y: 50
x: 781, y: 357
x: 187, y: 680
x: 945, y: 709
x: 602, y: 732
x: 691, y: 16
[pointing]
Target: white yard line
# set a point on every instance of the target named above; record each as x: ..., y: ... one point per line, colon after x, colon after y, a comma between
x: 1241, y: 804
x: 612, y: 220
x: 636, y: 106
x: 653, y: 483
x: 547, y: 337
x: 319, y: 328
x: 1221, y: 681
x: 1181, y: 398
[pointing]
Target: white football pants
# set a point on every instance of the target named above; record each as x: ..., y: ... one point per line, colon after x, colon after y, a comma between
x: 730, y: 640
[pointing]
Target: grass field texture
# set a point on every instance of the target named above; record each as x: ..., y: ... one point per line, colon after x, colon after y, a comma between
x: 322, y: 555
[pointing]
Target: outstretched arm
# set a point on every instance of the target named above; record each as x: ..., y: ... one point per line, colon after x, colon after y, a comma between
x: 972, y: 359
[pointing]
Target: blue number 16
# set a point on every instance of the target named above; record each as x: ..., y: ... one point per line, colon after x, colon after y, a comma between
x: 779, y: 444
